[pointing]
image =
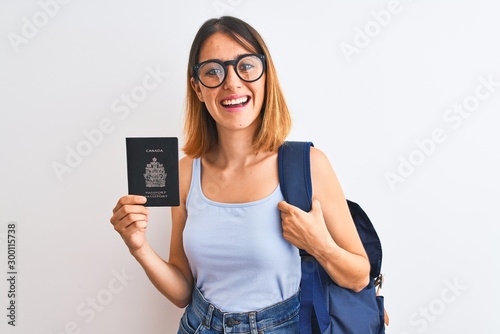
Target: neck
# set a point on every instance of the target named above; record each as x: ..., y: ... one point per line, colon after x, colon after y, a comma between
x: 234, y: 149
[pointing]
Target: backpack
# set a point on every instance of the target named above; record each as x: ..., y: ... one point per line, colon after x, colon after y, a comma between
x: 327, y: 308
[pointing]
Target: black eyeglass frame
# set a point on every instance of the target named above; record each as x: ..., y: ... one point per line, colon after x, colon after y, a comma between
x: 225, y: 64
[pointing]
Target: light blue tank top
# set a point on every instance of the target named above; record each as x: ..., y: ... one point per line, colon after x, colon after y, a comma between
x: 237, y: 254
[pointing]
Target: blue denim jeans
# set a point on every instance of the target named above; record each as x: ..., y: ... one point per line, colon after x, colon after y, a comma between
x: 202, y: 317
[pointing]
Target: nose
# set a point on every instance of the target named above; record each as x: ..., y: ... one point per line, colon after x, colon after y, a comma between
x: 232, y: 79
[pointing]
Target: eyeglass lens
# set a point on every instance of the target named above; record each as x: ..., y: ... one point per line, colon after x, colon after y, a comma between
x: 249, y: 68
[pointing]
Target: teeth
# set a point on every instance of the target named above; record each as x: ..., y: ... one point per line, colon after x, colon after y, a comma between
x: 235, y: 101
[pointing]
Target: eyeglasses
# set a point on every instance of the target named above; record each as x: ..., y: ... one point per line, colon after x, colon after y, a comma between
x: 248, y: 67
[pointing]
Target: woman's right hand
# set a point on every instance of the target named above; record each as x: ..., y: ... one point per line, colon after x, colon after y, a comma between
x: 130, y: 220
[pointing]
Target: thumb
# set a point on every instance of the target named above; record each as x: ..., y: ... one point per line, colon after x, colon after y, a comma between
x: 283, y: 206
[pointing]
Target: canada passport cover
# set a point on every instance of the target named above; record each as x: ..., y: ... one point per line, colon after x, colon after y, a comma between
x: 153, y: 169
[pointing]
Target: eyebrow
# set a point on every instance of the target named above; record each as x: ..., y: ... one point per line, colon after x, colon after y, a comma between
x: 237, y: 56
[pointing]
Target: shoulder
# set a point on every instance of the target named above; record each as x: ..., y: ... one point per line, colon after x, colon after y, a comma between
x: 324, y: 179
x: 317, y: 155
x: 185, y: 171
x: 185, y: 163
x: 320, y: 162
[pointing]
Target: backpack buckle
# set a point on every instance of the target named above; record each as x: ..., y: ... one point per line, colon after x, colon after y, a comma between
x: 379, y: 281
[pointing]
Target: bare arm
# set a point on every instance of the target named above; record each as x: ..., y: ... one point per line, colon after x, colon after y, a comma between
x: 327, y: 232
x: 173, y: 278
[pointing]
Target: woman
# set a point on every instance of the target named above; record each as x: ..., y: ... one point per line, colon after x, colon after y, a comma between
x: 234, y: 258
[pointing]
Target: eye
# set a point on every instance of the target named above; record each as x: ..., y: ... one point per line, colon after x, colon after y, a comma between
x: 246, y: 65
x: 212, y: 71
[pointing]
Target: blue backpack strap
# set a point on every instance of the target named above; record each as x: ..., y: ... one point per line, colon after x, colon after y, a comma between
x: 295, y: 173
x: 295, y: 181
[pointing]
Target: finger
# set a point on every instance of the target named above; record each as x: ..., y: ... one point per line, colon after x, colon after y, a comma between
x: 129, y: 220
x: 284, y: 207
x: 138, y: 226
x: 129, y: 200
x: 290, y: 210
x: 125, y: 212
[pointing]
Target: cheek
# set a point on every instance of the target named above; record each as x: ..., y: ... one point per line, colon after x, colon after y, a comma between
x: 211, y: 97
x: 207, y: 96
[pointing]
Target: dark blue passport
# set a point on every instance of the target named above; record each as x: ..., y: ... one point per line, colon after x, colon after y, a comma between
x: 153, y: 169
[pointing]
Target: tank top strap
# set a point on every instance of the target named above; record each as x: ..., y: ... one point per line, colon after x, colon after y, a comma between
x: 195, y: 187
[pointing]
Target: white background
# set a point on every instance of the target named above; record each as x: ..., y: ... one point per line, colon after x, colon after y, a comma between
x: 367, y: 110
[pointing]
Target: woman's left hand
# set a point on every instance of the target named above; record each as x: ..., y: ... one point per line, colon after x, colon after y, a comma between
x: 305, y: 230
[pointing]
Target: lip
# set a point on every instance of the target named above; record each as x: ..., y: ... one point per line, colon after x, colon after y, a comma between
x: 237, y: 107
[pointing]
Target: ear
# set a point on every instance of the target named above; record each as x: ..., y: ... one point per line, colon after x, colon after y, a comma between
x: 196, y: 87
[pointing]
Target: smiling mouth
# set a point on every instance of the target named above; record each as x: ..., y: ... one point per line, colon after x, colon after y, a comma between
x: 239, y: 102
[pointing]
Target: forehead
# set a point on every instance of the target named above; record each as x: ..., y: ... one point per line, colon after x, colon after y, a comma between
x: 221, y: 46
